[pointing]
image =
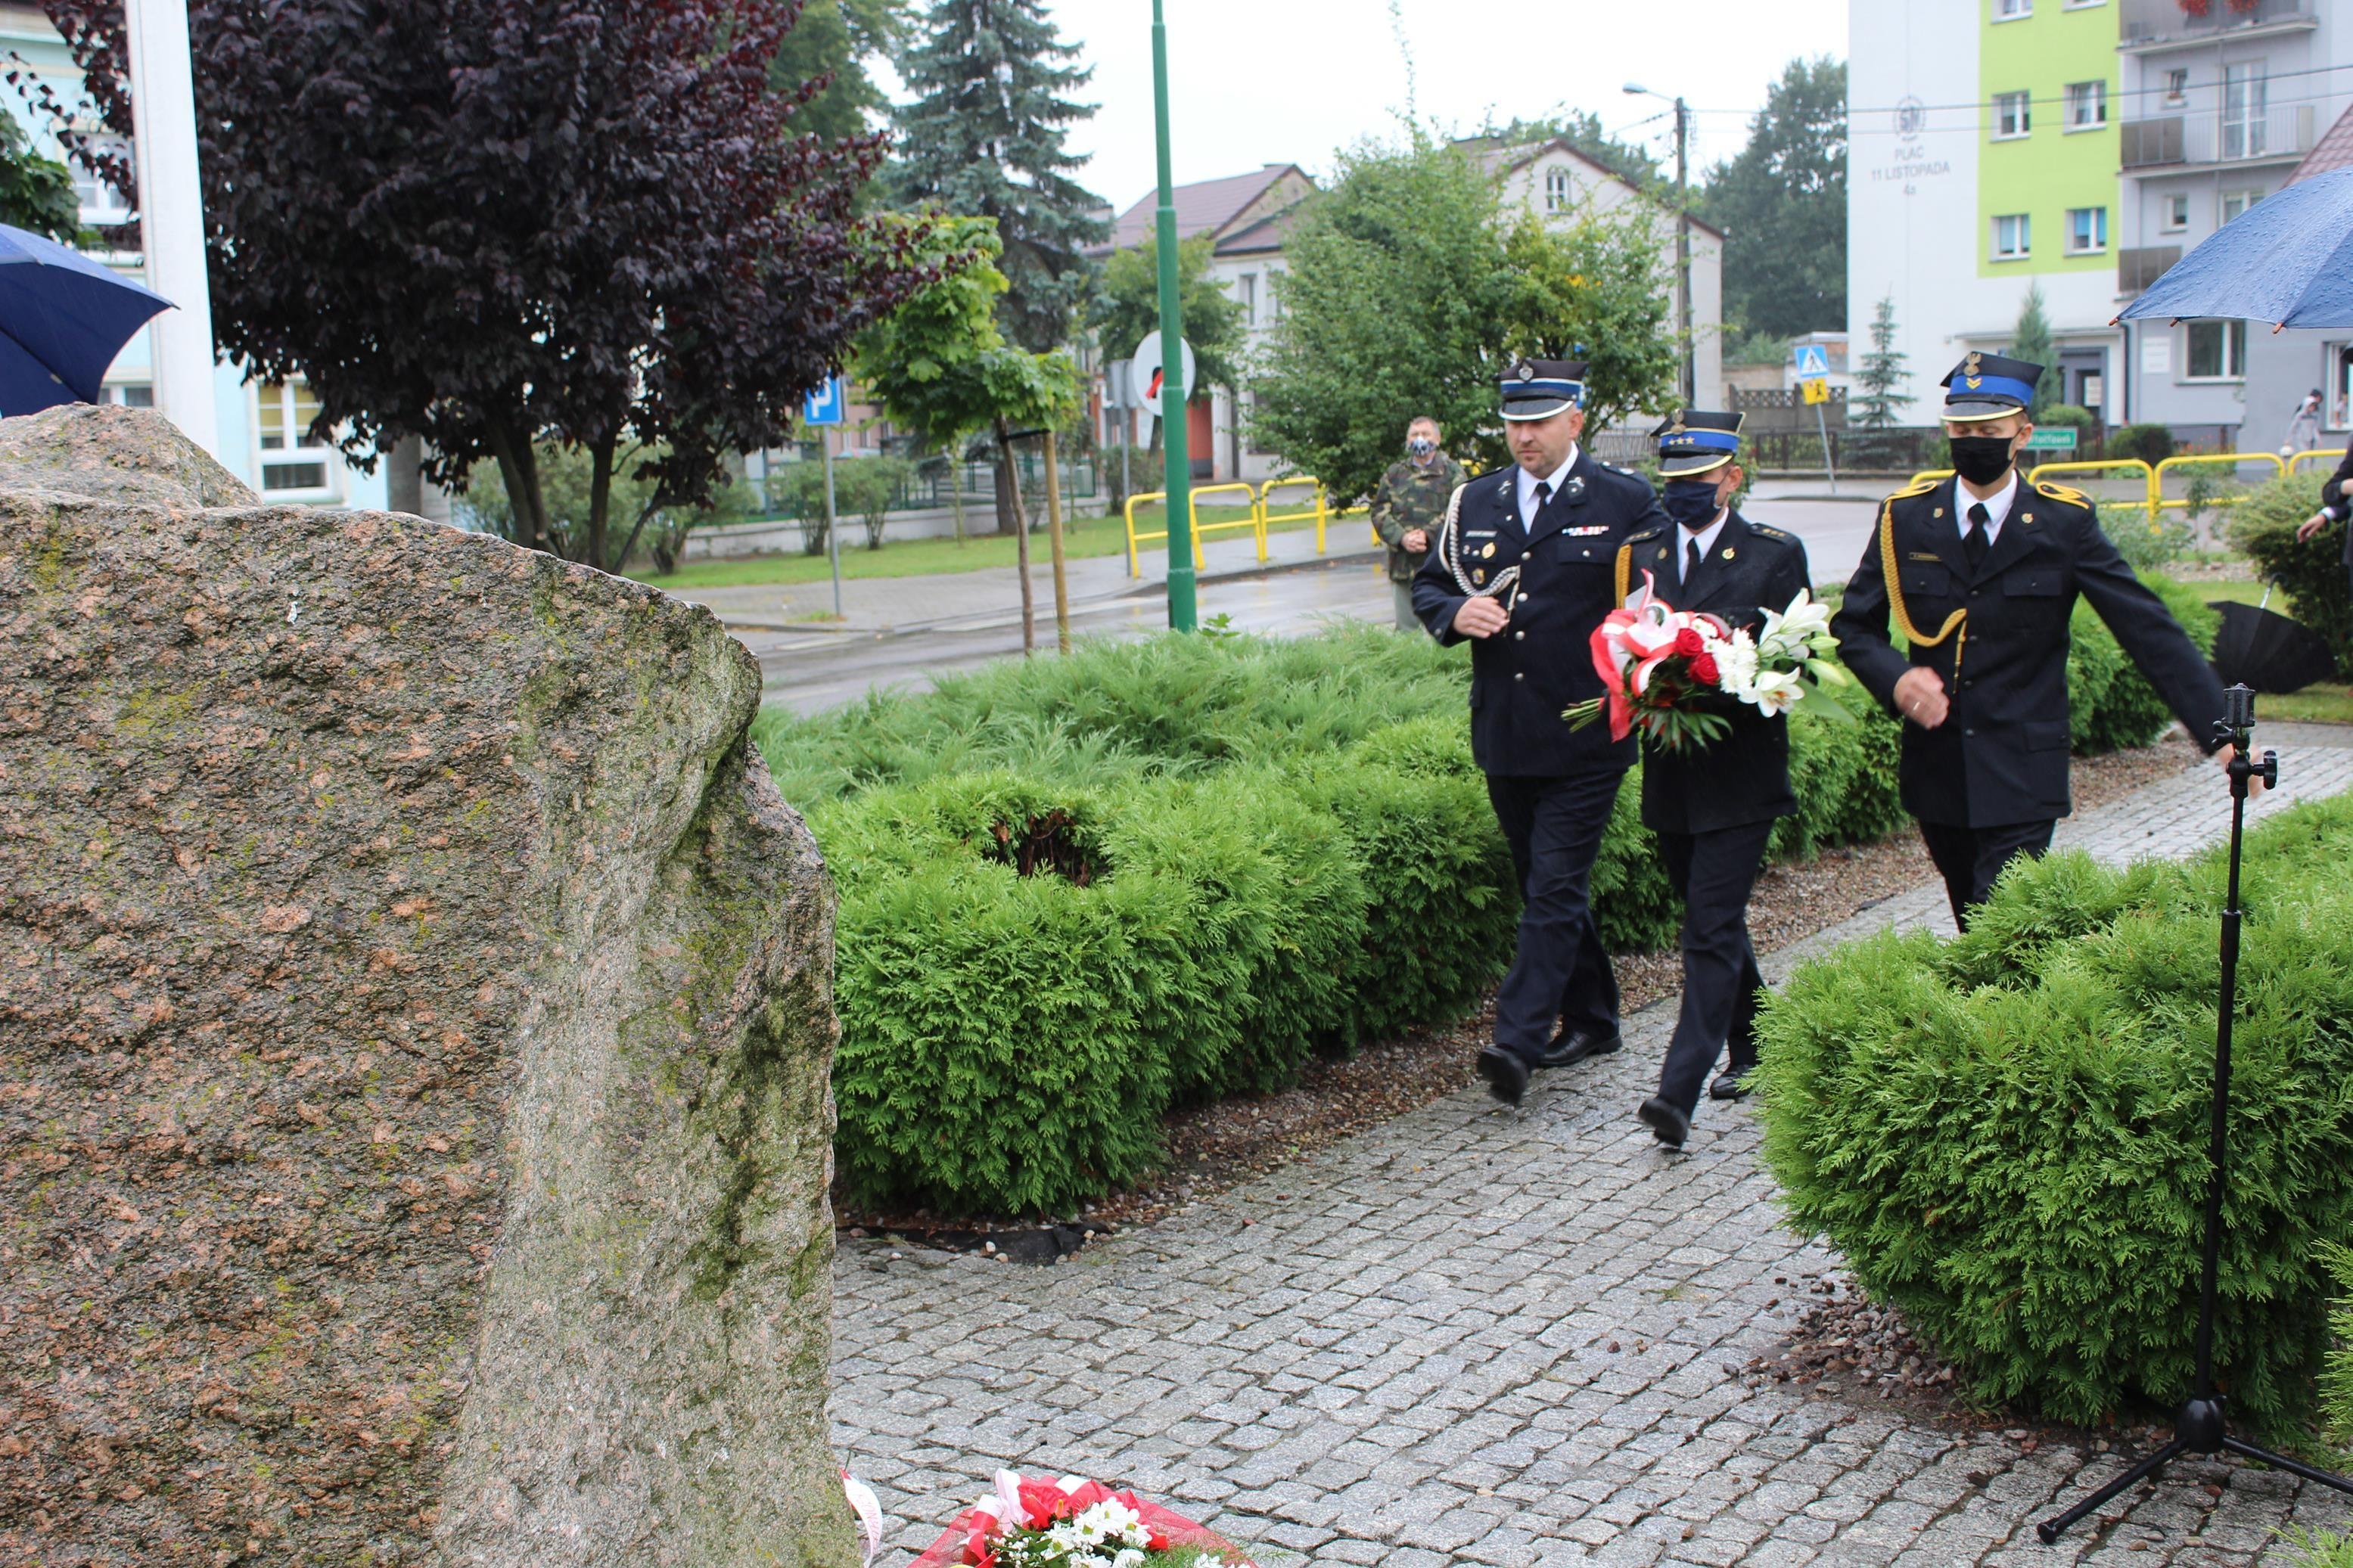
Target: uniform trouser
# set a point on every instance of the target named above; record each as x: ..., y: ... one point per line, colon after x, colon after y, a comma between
x: 1561, y: 969
x: 1713, y: 873
x: 1401, y: 593
x: 1969, y: 858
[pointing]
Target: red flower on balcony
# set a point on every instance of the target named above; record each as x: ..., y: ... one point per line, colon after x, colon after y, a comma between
x: 2196, y: 7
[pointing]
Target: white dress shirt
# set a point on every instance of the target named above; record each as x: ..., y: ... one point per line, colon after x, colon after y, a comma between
x: 1705, y: 539
x: 1557, y: 479
x: 1996, y: 506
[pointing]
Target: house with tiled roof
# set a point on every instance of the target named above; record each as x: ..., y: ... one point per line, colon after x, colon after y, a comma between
x: 1247, y: 217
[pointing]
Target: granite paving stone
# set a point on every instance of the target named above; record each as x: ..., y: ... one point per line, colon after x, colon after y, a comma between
x: 1475, y: 1336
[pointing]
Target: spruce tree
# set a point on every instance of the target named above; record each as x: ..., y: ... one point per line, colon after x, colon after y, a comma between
x: 984, y: 139
x: 1881, y: 372
x: 2032, y: 341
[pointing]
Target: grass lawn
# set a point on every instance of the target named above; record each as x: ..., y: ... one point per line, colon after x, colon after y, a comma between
x: 929, y: 557
x: 2323, y: 702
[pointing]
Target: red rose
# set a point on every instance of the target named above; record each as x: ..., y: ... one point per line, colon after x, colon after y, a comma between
x: 1044, y: 1503
x: 1157, y: 1542
x: 1704, y: 669
x: 1689, y: 643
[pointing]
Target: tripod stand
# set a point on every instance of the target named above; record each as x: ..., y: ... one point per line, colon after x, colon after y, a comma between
x: 2200, y: 1426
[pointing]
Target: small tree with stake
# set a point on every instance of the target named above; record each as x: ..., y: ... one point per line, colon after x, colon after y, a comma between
x: 1881, y: 372
x: 493, y: 224
x: 940, y: 367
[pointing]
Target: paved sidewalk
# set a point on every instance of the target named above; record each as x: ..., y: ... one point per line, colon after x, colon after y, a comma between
x: 1472, y: 1337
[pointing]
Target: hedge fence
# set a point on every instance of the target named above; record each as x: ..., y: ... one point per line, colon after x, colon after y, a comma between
x: 1078, y: 891
x: 2005, y: 1134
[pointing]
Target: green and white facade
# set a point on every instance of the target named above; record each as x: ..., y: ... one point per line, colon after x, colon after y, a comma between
x: 2082, y: 146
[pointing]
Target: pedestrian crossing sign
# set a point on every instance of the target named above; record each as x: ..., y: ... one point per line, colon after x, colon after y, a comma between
x: 1813, y: 362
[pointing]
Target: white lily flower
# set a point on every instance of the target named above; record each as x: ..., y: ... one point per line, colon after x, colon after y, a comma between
x: 1775, y: 694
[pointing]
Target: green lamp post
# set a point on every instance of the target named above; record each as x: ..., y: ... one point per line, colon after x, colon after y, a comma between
x: 1179, y: 482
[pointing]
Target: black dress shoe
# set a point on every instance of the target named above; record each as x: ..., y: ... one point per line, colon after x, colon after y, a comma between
x: 1733, y: 1085
x: 1506, y: 1074
x: 1667, y: 1124
x: 1567, y: 1048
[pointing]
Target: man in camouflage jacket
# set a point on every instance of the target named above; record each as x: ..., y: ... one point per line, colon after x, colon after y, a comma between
x: 1408, y: 507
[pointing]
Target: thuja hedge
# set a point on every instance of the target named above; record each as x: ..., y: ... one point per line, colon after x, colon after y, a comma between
x: 1077, y: 892
x: 2005, y: 1134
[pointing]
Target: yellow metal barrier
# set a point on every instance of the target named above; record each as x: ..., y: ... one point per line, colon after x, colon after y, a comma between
x: 2156, y: 479
x: 2148, y: 475
x: 1255, y: 522
x: 1320, y: 513
x: 2317, y: 457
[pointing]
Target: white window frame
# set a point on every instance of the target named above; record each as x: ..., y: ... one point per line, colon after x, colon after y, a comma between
x: 2337, y: 386
x: 2167, y: 207
x: 2100, y: 245
x: 1557, y: 197
x: 2234, y: 336
x: 113, y: 207
x: 298, y: 449
x: 2012, y: 10
x: 2077, y: 95
x: 2242, y: 199
x: 1248, y: 289
x: 2176, y: 86
x: 127, y: 393
x: 2004, y: 103
x: 2250, y: 118
x: 2025, y: 233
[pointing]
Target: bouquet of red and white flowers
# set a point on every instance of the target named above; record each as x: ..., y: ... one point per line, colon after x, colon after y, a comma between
x: 1027, y: 1522
x: 1672, y: 672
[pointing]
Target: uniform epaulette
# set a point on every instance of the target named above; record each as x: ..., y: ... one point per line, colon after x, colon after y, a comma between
x: 1923, y: 488
x: 2067, y: 493
x: 1651, y: 532
x: 1766, y: 530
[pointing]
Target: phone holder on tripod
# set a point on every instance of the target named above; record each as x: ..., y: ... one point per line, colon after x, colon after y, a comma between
x: 2201, y: 1425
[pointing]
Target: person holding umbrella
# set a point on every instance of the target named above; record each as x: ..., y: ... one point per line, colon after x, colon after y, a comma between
x: 2335, y: 501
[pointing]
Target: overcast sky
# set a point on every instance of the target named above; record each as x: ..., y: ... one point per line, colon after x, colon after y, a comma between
x: 1291, y: 81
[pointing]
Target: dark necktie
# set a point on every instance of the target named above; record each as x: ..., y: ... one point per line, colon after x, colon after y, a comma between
x: 1690, y: 561
x: 1975, y: 541
x: 1544, y: 494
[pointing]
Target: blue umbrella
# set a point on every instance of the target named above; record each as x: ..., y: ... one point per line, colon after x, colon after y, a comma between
x: 63, y: 317
x: 2288, y: 261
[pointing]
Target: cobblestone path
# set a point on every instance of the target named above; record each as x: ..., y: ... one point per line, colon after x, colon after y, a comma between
x: 1472, y: 1337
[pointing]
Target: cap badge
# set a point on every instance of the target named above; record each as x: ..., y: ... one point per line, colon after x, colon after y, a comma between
x: 1969, y: 366
x: 1525, y: 371
x: 1677, y: 428
x: 1972, y: 381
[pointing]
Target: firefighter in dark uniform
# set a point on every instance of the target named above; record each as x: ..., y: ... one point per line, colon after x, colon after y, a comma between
x: 1714, y: 809
x: 1524, y: 567
x: 1980, y: 574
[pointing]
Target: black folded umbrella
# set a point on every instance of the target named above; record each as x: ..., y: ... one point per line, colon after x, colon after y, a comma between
x: 2268, y: 651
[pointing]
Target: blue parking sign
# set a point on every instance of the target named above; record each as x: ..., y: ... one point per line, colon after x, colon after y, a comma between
x: 826, y: 404
x: 1813, y: 360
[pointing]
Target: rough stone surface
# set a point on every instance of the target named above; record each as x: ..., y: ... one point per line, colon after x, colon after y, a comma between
x: 415, y: 1028
x: 1470, y: 1337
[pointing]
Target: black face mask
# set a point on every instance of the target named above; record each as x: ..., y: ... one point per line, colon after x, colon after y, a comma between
x: 1422, y: 446
x: 1980, y: 459
x: 1691, y: 502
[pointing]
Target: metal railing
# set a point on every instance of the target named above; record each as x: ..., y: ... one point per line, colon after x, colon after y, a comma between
x: 1261, y: 517
x: 2153, y: 499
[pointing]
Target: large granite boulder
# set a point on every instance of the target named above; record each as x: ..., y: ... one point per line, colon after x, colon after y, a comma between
x: 415, y: 1028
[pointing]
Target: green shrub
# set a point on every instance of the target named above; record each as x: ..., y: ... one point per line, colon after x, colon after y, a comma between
x: 2152, y: 444
x: 2069, y: 415
x: 1844, y: 778
x: 2336, y: 1372
x: 2113, y: 705
x: 2004, y: 1134
x: 2312, y: 573
x: 2318, y: 1548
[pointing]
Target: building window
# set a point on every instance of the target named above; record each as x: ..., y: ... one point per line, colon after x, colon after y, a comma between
x: 128, y: 394
x: 2012, y: 237
x: 2012, y: 10
x: 1556, y: 190
x: 2217, y: 351
x: 2173, y: 214
x: 2012, y: 115
x: 2236, y: 202
x: 2244, y: 100
x: 103, y: 206
x: 1249, y: 294
x: 2177, y: 87
x: 2087, y: 105
x: 2087, y: 230
x: 294, y: 466
x: 2337, y: 383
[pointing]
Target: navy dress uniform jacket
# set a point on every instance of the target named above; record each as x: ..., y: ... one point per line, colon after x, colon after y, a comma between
x: 2000, y: 756
x: 1527, y: 674
x: 1743, y: 777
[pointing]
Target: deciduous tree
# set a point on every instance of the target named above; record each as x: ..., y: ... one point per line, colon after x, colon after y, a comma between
x: 36, y: 193
x: 1128, y: 307
x: 1781, y: 203
x: 498, y: 223
x: 1412, y: 289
